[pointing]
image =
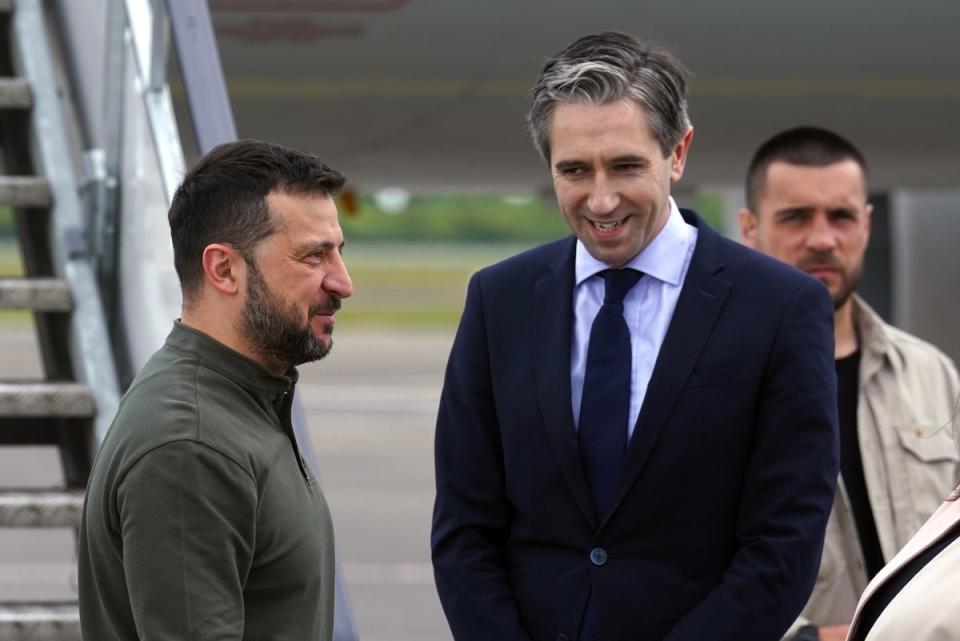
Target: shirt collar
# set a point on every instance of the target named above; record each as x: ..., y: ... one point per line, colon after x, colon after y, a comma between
x: 246, y: 372
x: 663, y: 258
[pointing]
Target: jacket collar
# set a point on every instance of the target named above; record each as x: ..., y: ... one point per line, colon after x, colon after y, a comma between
x: 247, y: 373
x: 875, y: 344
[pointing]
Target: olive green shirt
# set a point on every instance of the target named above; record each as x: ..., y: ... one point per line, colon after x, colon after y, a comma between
x: 201, y: 519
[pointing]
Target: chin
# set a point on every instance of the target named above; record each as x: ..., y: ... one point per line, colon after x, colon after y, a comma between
x: 325, y: 338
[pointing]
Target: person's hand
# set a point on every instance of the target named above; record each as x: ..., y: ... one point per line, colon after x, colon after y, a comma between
x: 834, y: 632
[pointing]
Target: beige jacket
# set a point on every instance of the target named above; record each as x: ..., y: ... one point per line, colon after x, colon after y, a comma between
x: 909, y: 392
x: 926, y: 608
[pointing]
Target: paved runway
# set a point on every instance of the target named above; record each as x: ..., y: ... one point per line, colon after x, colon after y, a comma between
x: 371, y: 407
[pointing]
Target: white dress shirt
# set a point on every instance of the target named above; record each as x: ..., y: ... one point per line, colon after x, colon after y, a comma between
x: 648, y: 307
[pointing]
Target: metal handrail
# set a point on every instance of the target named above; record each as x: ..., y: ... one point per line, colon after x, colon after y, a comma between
x: 203, y: 80
x: 93, y: 361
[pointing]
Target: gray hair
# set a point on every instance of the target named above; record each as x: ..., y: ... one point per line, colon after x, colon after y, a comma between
x: 607, y: 67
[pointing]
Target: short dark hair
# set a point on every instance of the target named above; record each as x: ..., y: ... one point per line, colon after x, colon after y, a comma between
x: 804, y: 146
x: 607, y: 67
x: 222, y: 199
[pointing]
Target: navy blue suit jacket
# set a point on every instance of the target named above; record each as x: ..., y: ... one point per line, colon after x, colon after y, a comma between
x: 718, y: 521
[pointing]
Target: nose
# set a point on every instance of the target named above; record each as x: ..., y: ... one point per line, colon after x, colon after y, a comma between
x: 821, y: 237
x: 603, y: 197
x: 337, y: 281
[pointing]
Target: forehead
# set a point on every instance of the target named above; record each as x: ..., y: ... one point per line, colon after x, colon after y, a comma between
x: 789, y: 185
x: 614, y: 128
x: 301, y: 215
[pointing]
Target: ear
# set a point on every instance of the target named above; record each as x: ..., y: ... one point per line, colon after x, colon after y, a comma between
x: 678, y: 159
x: 867, y: 218
x: 748, y: 227
x: 222, y: 267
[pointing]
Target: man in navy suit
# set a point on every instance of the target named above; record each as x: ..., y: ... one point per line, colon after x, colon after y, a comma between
x: 637, y: 433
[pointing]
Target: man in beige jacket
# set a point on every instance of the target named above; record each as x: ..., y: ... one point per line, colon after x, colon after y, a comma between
x: 807, y: 205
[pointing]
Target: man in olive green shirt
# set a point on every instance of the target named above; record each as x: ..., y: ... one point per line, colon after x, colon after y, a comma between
x: 202, y: 520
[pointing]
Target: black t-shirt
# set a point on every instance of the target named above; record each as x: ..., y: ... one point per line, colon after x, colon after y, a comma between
x: 851, y: 464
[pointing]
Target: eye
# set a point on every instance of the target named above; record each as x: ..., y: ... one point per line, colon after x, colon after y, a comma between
x: 792, y: 216
x: 843, y: 215
x: 571, y: 170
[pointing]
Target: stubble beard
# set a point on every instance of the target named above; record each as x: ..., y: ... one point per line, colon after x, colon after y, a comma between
x: 850, y: 278
x: 276, y: 331
x: 847, y: 287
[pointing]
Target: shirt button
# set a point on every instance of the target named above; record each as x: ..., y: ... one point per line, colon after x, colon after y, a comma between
x: 598, y: 556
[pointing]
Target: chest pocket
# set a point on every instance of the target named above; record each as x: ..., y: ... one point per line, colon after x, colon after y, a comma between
x: 929, y: 442
x: 931, y: 465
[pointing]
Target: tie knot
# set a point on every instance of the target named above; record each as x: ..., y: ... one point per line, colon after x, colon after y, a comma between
x: 617, y: 283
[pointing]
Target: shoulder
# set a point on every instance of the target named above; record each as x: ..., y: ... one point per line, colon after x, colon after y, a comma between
x: 753, y: 274
x: 746, y: 261
x: 177, y: 399
x: 161, y: 403
x: 915, y: 348
x: 918, y: 355
x: 905, y: 351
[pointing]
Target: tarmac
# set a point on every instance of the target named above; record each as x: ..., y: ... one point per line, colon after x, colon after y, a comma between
x: 371, y: 406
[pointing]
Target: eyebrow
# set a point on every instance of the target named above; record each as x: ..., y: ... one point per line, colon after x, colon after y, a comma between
x: 790, y: 211
x: 631, y: 158
x: 310, y: 248
x: 627, y: 158
x: 805, y: 210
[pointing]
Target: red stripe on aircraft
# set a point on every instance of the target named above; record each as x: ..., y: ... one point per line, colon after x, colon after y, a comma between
x: 309, y: 6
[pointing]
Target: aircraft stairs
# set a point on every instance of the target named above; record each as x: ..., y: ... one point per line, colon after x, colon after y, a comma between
x: 78, y: 394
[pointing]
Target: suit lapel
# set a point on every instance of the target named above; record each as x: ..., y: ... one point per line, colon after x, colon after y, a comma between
x: 942, y: 520
x: 553, y: 316
x: 701, y: 299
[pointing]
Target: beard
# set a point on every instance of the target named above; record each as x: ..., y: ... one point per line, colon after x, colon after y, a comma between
x: 849, y: 281
x: 277, y: 331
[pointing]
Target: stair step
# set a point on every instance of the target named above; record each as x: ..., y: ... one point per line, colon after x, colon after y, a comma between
x: 24, y: 191
x: 40, y: 508
x: 46, y: 399
x: 39, y: 622
x: 33, y: 430
x: 38, y: 294
x: 15, y: 93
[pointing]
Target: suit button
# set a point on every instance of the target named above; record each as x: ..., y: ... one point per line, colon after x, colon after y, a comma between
x: 598, y: 556
x: 562, y: 637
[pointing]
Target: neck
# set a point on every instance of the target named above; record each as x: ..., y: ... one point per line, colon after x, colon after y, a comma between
x: 844, y: 333
x: 221, y: 327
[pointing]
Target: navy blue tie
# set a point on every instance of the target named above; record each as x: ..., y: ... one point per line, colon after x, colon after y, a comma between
x: 605, y: 405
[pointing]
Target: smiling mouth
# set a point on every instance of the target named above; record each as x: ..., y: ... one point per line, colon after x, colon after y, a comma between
x: 607, y: 226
